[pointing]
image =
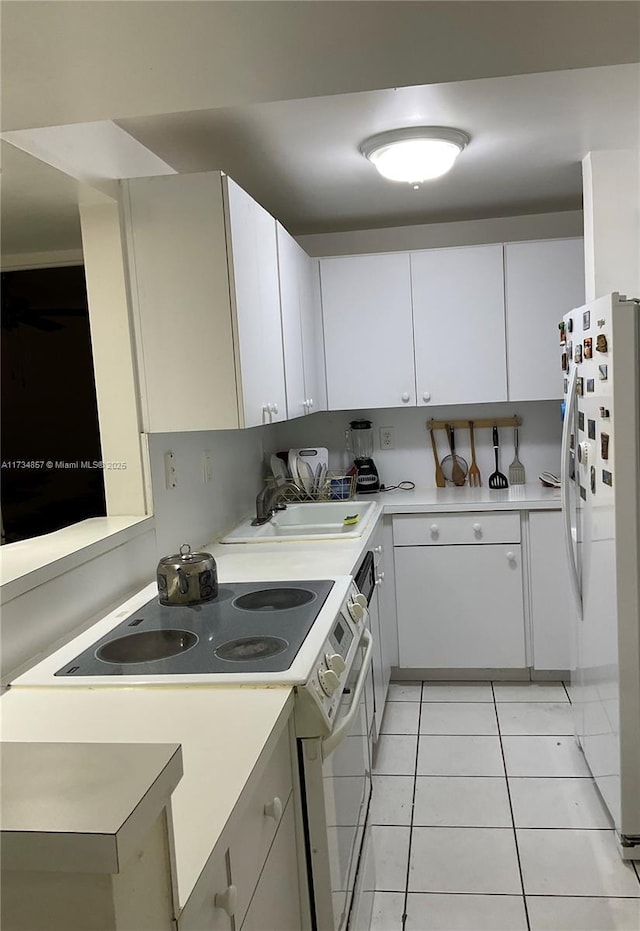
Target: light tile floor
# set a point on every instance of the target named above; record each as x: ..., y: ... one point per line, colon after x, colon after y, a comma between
x: 485, y: 818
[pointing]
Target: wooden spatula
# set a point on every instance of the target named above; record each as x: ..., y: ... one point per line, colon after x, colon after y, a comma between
x: 440, y: 482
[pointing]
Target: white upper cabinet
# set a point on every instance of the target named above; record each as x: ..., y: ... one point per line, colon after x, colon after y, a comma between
x: 458, y: 318
x: 254, y: 266
x: 543, y: 281
x: 205, y: 292
x: 315, y: 378
x: 301, y: 328
x: 368, y: 331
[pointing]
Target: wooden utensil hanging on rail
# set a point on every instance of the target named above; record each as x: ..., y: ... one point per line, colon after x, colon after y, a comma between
x: 454, y: 468
x: 440, y: 482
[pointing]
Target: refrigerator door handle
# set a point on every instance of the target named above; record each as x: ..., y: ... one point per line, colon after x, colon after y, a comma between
x: 569, y: 418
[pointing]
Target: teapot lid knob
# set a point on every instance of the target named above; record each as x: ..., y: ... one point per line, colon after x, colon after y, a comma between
x: 186, y: 548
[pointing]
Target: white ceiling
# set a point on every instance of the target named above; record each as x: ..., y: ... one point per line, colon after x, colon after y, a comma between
x: 300, y: 158
x: 193, y: 81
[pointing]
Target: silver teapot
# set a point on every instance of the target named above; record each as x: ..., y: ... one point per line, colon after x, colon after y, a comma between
x: 187, y: 578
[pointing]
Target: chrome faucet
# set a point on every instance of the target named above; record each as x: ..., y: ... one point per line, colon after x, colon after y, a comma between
x: 268, y: 499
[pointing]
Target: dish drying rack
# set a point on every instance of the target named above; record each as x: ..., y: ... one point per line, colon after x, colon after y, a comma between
x: 335, y: 486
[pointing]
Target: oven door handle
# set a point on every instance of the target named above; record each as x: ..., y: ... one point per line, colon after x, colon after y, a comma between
x: 335, y: 738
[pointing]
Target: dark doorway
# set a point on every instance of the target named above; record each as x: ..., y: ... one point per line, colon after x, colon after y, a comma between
x: 51, y: 471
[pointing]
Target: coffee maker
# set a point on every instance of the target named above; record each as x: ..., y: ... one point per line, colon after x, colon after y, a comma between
x: 359, y: 438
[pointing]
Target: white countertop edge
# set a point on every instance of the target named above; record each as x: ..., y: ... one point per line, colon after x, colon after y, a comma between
x: 39, y: 833
x: 29, y: 563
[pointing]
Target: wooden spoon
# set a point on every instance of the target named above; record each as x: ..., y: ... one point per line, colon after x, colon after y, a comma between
x: 440, y: 482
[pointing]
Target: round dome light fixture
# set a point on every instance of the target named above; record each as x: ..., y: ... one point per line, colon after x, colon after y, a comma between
x: 415, y: 154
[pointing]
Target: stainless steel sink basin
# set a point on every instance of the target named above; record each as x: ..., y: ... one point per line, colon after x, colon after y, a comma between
x: 323, y: 520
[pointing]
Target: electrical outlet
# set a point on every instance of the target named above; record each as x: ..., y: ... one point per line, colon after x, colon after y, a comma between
x: 387, y: 440
x: 169, y: 471
x: 207, y: 470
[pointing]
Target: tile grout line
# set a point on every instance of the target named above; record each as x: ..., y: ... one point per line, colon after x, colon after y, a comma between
x: 513, y: 820
x: 413, y: 803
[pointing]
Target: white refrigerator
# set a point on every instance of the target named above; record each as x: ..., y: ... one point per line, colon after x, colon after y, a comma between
x: 600, y: 346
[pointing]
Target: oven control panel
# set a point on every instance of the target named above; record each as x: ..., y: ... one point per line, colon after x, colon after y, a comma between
x: 317, y: 701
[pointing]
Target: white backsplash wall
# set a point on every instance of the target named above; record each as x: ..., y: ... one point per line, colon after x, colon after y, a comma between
x: 194, y: 512
x: 412, y: 458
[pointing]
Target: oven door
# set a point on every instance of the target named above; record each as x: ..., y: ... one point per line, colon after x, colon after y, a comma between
x: 337, y: 790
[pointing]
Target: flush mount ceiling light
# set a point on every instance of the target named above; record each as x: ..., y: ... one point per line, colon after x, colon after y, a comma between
x: 415, y: 154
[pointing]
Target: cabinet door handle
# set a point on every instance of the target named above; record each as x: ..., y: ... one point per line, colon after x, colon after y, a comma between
x: 377, y: 549
x: 273, y: 809
x: 477, y: 528
x: 435, y: 530
x: 273, y: 408
x: 227, y: 900
x: 510, y: 556
x: 406, y: 396
x: 426, y: 396
x: 310, y: 402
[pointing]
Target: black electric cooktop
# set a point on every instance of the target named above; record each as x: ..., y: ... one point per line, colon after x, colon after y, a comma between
x: 249, y: 627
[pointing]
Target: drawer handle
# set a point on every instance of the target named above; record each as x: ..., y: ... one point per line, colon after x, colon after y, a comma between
x: 274, y: 809
x: 510, y: 556
x: 477, y: 528
x: 435, y: 530
x: 406, y: 396
x: 426, y: 396
x: 377, y: 549
x: 227, y: 900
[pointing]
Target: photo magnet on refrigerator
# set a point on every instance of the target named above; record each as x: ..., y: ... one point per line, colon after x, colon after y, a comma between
x: 588, y: 348
x: 601, y: 342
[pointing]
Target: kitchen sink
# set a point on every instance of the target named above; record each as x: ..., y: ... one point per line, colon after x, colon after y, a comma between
x: 322, y: 520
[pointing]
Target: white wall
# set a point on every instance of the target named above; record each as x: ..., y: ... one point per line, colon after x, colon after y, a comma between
x: 59, y: 608
x: 611, y: 188
x: 435, y: 235
x: 412, y: 458
x: 194, y: 512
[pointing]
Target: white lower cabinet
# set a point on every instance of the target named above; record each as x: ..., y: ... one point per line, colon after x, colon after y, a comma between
x: 248, y: 881
x: 275, y: 905
x: 460, y: 605
x: 551, y: 605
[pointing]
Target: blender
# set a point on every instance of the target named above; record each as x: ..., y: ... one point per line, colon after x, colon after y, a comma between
x: 359, y: 438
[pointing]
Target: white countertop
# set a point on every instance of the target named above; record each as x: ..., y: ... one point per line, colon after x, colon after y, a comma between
x: 222, y: 733
x: 29, y: 563
x: 425, y: 499
x: 81, y: 807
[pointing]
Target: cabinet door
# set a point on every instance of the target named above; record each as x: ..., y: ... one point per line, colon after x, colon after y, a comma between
x: 290, y: 268
x: 544, y: 280
x: 366, y: 308
x: 552, y: 609
x: 460, y: 607
x: 315, y: 379
x: 179, y: 283
x: 458, y: 310
x: 275, y: 905
x: 254, y: 261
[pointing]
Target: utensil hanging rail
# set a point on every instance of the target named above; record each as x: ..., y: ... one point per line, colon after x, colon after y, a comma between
x: 514, y: 421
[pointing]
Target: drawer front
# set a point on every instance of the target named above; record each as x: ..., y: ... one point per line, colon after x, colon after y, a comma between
x: 201, y: 910
x: 448, y: 529
x: 257, y: 825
